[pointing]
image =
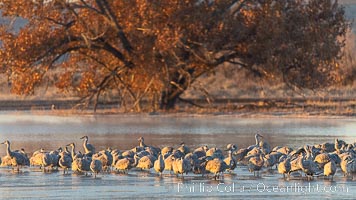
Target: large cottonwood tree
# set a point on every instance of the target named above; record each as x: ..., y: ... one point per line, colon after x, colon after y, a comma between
x: 155, y: 49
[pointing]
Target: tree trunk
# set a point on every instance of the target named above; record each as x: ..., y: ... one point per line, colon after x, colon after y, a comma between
x: 169, y: 99
x: 177, y: 85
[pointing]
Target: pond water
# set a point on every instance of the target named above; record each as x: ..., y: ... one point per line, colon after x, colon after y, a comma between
x: 33, y: 132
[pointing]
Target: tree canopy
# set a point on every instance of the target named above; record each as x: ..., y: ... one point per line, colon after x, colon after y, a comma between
x: 155, y: 50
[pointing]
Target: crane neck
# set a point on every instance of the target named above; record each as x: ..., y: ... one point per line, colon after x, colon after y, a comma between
x: 85, y: 145
x: 142, y: 143
x: 8, y: 151
x: 257, y: 140
x: 135, y: 160
x: 73, y: 151
x: 230, y: 154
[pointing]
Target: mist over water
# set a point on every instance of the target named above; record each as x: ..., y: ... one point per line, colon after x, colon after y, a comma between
x: 121, y: 131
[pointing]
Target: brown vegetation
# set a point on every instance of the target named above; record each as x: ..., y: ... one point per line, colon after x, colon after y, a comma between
x: 153, y: 51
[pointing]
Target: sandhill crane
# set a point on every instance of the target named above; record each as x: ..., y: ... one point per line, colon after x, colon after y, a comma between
x: 330, y: 169
x: 178, y: 154
x: 106, y: 159
x: 284, y: 167
x: 89, y: 149
x: 80, y: 163
x: 201, y: 151
x: 145, y: 163
x: 184, y: 149
x: 37, y: 158
x: 180, y: 166
x: 166, y: 150
x: 73, y: 153
x: 168, y: 163
x: 240, y: 154
x: 96, y: 166
x: 128, y: 153
x: 265, y: 147
x: 17, y: 158
x: 116, y: 155
x: 339, y: 144
x: 322, y: 159
x: 269, y: 160
x: 257, y: 139
x: 284, y: 150
x: 215, y: 166
x: 159, y: 165
x: 255, y: 164
x: 307, y: 164
x: 348, y: 165
x: 65, y: 161
x: 124, y: 164
x: 215, y: 153
x: 254, y: 152
x: 230, y: 162
x: 194, y: 161
x: 50, y: 160
x: 142, y: 144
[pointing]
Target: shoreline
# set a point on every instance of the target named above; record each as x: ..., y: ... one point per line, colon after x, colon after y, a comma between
x: 242, y: 108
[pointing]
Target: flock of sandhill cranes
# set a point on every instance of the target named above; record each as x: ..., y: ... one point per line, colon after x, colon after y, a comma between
x: 316, y: 160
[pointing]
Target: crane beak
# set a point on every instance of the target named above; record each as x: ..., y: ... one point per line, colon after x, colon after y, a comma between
x: 82, y: 137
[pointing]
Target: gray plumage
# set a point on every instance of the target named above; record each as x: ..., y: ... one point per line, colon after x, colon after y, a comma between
x: 269, y: 160
x: 96, y: 166
x: 180, y: 166
x: 81, y: 165
x: 65, y: 161
x: 215, y: 153
x: 284, y: 167
x: 255, y: 164
x: 184, y: 149
x: 142, y: 144
x: 17, y: 157
x: 308, y: 166
x: 201, y: 151
x: 89, y: 149
x: 106, y: 159
x: 50, y: 160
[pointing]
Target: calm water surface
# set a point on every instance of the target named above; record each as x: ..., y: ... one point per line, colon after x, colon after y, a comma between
x: 33, y: 132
